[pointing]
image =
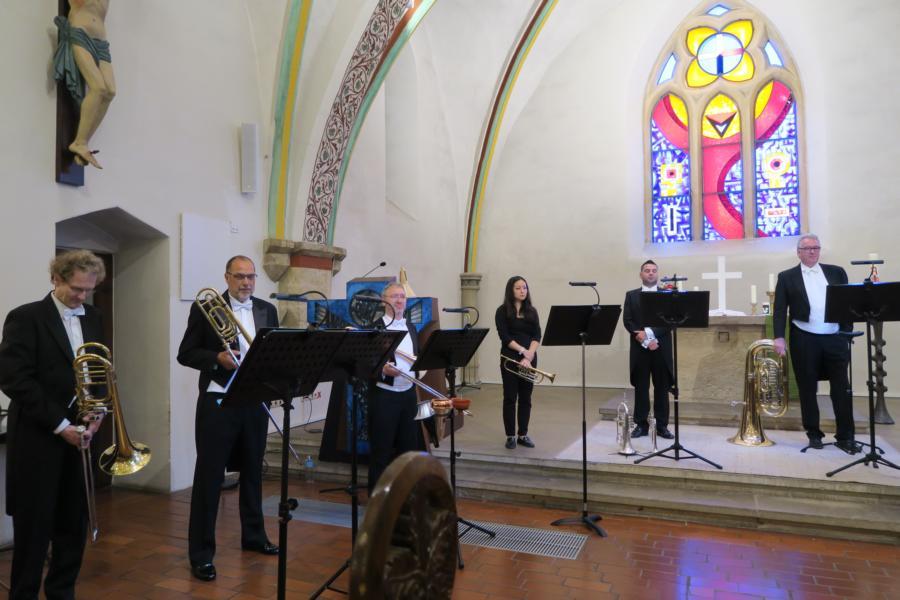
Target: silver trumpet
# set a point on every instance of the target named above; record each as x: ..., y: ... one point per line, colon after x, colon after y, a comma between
x: 624, y: 423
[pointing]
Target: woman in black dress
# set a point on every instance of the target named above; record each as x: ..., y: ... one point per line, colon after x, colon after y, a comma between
x: 519, y: 329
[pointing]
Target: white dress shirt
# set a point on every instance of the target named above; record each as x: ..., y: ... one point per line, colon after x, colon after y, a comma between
x: 650, y: 335
x: 815, y: 283
x: 244, y: 313
x: 72, y: 325
x: 401, y: 384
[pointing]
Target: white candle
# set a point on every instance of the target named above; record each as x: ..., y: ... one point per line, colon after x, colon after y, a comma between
x: 873, y: 256
x: 752, y: 294
x: 696, y: 288
x: 680, y: 286
x: 771, y: 282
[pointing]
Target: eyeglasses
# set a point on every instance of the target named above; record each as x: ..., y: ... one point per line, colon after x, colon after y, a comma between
x: 396, y: 296
x: 810, y: 248
x: 244, y: 276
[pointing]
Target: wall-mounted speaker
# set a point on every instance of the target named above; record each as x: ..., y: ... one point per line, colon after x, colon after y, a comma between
x: 249, y: 158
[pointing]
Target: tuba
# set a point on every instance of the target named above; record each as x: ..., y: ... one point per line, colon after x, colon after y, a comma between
x: 97, y: 395
x: 624, y: 423
x: 765, y: 391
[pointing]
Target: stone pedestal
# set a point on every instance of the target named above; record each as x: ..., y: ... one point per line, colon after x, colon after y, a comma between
x: 469, y: 284
x: 711, y: 361
x: 299, y: 267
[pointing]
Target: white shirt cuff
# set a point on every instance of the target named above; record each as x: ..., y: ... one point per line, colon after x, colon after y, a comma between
x: 62, y: 425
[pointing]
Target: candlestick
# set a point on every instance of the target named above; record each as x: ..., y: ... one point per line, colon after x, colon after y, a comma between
x: 753, y: 306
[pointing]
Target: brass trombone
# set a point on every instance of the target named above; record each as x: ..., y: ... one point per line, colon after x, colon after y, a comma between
x: 97, y: 395
x: 532, y: 374
x: 227, y: 326
x: 441, y: 405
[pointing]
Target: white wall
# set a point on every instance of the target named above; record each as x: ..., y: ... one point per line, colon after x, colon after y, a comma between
x: 187, y: 76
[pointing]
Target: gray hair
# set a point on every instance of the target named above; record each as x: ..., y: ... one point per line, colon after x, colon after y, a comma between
x: 393, y: 284
x: 808, y: 236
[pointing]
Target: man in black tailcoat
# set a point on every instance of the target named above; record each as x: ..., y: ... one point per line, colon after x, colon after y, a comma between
x: 650, y: 358
x: 45, y: 492
x: 817, y: 349
x: 224, y: 433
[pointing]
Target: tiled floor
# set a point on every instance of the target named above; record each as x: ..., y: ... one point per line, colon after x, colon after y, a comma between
x: 142, y: 554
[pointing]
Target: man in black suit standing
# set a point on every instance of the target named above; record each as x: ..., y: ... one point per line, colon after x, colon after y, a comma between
x: 816, y: 346
x: 45, y: 492
x: 650, y: 357
x: 225, y: 432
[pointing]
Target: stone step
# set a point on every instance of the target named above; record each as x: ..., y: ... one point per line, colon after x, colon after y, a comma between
x: 836, y: 509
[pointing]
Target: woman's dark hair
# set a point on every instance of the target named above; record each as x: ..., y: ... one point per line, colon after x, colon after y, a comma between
x: 509, y: 301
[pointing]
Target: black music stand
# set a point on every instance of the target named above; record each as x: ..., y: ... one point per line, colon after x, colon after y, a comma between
x: 587, y: 325
x: 452, y: 349
x: 674, y: 309
x: 282, y: 364
x: 361, y: 356
x: 870, y: 302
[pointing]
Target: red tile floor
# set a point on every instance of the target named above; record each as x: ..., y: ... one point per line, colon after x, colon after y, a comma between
x: 142, y: 553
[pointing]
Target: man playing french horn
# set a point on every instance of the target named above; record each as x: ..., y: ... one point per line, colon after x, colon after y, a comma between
x: 45, y: 491
x: 221, y: 432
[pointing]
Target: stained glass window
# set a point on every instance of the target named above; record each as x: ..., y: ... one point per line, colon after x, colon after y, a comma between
x: 727, y: 72
x: 670, y: 171
x: 723, y: 198
x: 777, y: 164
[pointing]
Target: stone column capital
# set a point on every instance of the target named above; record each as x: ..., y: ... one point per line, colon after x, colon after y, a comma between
x: 279, y: 255
x: 470, y: 281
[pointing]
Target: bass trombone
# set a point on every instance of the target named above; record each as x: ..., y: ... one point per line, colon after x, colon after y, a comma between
x: 97, y: 395
x: 441, y: 405
x: 532, y: 374
x: 227, y: 327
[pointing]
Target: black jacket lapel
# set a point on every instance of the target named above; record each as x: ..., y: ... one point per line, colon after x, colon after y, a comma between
x: 57, y: 329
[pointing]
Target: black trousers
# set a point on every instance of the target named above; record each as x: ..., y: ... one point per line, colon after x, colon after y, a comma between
x: 392, y: 428
x: 52, y: 512
x: 516, y: 391
x: 221, y: 432
x: 652, y: 365
x: 822, y: 356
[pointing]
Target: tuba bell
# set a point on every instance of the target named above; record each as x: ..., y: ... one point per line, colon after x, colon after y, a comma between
x: 97, y: 395
x: 624, y: 423
x: 765, y: 392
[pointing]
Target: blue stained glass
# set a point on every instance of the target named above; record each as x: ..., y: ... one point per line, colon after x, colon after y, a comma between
x: 718, y: 10
x: 778, y: 212
x: 668, y: 69
x: 671, y: 219
x: 670, y: 177
x: 709, y: 232
x: 772, y: 55
x: 778, y: 178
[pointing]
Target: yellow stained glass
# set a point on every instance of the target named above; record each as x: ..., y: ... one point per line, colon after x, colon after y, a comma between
x: 742, y: 30
x: 721, y: 118
x: 679, y: 108
x: 762, y: 99
x: 697, y: 77
x: 696, y: 36
x: 743, y: 71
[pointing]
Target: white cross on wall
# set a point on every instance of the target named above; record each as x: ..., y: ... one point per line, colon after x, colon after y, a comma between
x: 721, y: 275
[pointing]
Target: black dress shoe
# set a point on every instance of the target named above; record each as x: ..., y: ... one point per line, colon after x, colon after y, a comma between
x: 665, y: 433
x: 205, y: 572
x: 848, y: 446
x: 524, y: 440
x: 638, y: 431
x: 816, y: 443
x: 267, y: 548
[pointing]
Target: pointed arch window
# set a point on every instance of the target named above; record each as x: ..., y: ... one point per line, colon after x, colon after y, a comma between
x: 723, y: 134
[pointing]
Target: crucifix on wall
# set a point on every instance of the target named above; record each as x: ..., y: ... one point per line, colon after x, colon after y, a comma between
x: 721, y: 276
x: 82, y: 66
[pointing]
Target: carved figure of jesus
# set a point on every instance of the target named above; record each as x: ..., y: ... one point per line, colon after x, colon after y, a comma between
x: 83, y: 61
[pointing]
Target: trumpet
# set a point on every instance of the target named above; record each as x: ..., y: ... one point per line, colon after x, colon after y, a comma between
x: 97, y: 395
x: 228, y: 327
x: 532, y: 374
